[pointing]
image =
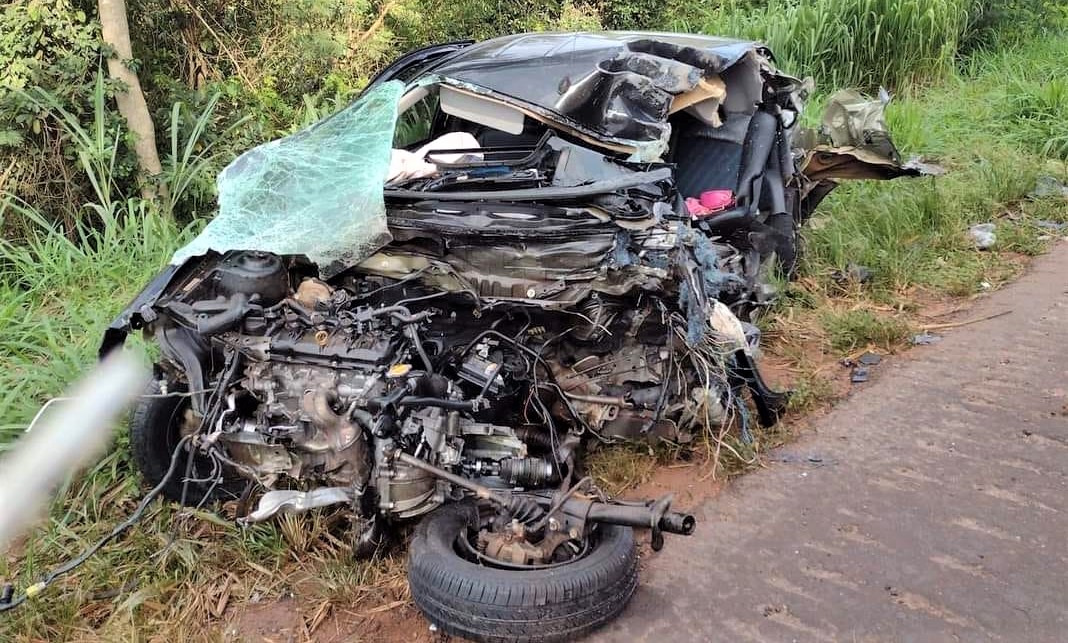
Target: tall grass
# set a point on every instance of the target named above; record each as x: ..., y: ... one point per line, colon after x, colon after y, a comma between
x: 1042, y: 106
x: 58, y: 293
x: 96, y: 144
x: 60, y: 286
x: 863, y: 43
x: 191, y: 161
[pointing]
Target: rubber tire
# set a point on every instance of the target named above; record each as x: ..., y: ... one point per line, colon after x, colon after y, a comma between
x: 154, y: 434
x: 496, y: 605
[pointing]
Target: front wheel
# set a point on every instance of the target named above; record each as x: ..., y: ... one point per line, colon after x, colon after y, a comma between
x: 559, y: 602
x: 156, y: 426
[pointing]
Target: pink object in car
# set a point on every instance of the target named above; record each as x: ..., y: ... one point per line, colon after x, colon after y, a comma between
x: 717, y: 199
x: 710, y: 202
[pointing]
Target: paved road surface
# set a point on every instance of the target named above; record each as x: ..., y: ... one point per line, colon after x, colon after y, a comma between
x: 938, y: 510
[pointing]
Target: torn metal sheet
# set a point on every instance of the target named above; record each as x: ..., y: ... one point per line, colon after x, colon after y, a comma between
x: 853, y: 142
x: 294, y: 502
x: 824, y: 163
x: 854, y: 120
x: 316, y: 193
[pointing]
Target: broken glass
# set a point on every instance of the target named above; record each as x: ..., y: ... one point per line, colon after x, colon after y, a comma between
x: 317, y: 192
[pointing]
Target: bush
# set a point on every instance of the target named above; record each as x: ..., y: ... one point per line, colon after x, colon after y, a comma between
x: 1002, y: 22
x: 863, y: 43
x: 55, y: 45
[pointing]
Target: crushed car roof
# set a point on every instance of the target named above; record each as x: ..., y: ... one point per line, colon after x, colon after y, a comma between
x: 615, y: 85
x: 558, y: 51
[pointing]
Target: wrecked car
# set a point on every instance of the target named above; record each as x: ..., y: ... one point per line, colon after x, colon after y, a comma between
x: 430, y: 304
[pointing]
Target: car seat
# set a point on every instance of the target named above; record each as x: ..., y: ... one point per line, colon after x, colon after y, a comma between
x: 747, y: 154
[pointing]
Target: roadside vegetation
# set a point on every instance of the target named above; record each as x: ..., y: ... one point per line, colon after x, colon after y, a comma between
x: 978, y: 87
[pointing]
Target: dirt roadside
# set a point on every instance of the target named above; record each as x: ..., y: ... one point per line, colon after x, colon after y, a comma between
x: 930, y: 505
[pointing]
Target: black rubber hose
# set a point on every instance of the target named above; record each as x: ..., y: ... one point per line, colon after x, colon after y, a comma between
x: 528, y: 472
x: 675, y: 522
x: 452, y: 405
x: 417, y: 343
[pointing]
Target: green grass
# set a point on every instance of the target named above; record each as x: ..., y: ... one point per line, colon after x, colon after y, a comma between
x: 913, y: 232
x: 988, y: 124
x: 854, y: 329
x: 58, y: 295
x: 1043, y: 105
x: 809, y: 391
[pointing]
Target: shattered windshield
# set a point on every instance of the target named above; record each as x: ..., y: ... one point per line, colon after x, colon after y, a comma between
x: 317, y: 192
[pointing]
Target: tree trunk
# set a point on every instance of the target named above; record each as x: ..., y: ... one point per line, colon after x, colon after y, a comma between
x: 132, y: 105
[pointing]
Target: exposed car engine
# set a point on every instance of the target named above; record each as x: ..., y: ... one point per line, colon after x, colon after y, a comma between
x: 323, y: 383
